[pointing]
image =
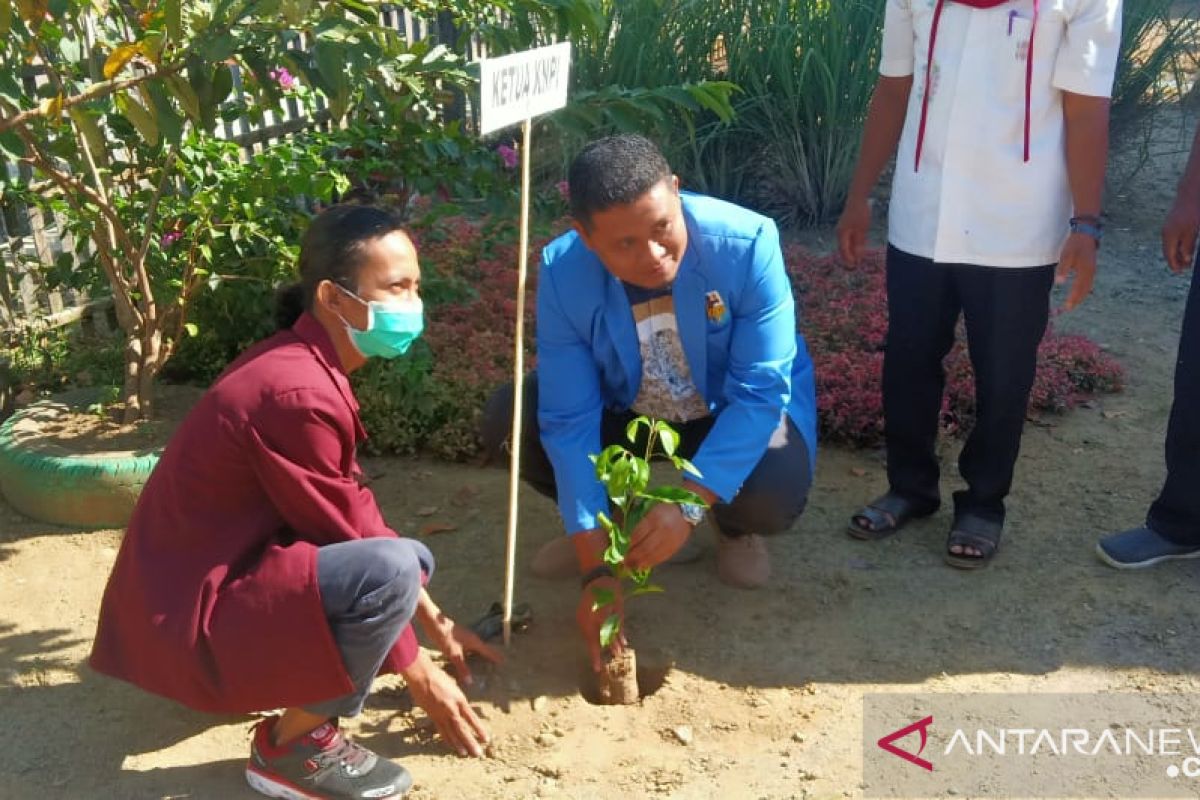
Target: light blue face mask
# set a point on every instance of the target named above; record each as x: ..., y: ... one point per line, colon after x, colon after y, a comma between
x: 392, y: 326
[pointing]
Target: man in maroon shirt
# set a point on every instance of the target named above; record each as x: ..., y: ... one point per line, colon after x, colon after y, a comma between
x: 257, y: 571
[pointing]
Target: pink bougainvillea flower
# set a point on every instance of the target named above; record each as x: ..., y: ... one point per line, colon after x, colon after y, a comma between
x: 508, y: 155
x: 285, y: 79
x: 169, y: 238
x: 564, y: 191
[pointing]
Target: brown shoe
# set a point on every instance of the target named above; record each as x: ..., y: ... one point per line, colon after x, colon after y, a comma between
x: 742, y: 561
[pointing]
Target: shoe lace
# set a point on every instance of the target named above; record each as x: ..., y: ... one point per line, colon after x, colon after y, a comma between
x: 344, y: 752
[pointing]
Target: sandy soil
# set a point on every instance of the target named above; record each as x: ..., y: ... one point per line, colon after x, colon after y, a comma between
x: 98, y: 428
x: 769, y: 683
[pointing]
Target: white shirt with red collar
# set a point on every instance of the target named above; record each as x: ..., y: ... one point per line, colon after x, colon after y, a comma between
x: 975, y: 199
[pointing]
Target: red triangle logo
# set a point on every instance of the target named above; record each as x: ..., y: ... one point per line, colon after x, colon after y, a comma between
x: 912, y: 758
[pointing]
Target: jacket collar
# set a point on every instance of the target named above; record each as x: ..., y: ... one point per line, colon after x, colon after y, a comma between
x: 313, y: 334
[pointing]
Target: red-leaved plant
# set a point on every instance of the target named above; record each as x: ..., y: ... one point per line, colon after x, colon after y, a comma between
x: 469, y: 283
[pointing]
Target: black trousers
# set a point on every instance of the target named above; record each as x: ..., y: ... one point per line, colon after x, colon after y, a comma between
x: 1176, y: 513
x: 770, y: 501
x: 1006, y: 311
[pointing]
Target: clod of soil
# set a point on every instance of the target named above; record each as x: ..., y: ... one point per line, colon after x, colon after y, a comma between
x: 626, y: 679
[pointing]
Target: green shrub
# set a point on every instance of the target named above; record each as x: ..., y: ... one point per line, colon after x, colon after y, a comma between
x: 51, y: 359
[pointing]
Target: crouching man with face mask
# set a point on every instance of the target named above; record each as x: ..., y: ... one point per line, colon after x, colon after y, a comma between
x: 257, y: 572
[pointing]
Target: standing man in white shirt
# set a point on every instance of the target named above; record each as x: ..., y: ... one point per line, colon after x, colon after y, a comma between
x: 1000, y: 111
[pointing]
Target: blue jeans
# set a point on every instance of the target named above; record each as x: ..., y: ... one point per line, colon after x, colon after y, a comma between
x: 369, y: 588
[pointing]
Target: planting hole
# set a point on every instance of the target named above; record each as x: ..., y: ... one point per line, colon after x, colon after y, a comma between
x: 652, y: 671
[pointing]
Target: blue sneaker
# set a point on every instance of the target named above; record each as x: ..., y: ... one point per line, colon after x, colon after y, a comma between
x: 1141, y: 547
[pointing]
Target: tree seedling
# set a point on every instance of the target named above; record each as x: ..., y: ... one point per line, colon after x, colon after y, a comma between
x: 626, y: 479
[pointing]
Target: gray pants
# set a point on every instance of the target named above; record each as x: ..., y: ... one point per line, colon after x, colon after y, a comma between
x: 369, y: 588
x: 770, y: 501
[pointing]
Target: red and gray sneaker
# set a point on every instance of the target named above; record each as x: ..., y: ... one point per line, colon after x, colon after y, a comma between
x: 321, y: 765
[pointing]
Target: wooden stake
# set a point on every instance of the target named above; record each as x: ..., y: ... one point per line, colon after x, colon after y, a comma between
x: 514, y: 476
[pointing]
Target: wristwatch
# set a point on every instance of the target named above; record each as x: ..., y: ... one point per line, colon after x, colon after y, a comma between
x: 692, y: 512
x: 1088, y: 226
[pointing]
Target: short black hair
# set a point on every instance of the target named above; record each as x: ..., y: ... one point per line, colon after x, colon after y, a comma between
x: 614, y: 171
x: 332, y: 249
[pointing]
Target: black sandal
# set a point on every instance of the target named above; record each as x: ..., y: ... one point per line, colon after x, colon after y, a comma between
x: 977, y: 533
x: 885, y: 516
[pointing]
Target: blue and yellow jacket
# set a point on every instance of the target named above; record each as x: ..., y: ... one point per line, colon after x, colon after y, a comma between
x: 737, y: 323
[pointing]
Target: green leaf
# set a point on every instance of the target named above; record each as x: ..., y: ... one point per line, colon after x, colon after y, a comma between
x: 609, y: 630
x: 641, y: 476
x: 141, y: 119
x: 90, y: 130
x: 331, y: 66
x: 218, y: 48
x: 5, y: 17
x: 151, y: 46
x: 185, y: 94
x: 172, y: 10
x: 10, y: 90
x: 602, y: 598
x: 192, y: 329
x: 668, y: 438
x: 222, y: 83
x: 631, y: 430
x: 11, y: 144
x: 618, y: 478
x: 649, y: 588
x: 672, y: 494
x: 684, y: 465
x: 170, y: 126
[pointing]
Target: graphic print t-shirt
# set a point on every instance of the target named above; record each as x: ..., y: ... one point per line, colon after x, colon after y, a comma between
x: 667, y: 391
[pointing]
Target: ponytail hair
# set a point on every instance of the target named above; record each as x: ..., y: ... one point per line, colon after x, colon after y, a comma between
x: 332, y: 250
x: 289, y: 305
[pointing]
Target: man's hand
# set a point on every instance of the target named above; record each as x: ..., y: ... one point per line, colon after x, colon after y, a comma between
x: 436, y: 692
x: 456, y: 643
x: 1078, y: 259
x: 591, y: 616
x: 1180, y: 233
x: 657, y: 537
x: 852, y: 230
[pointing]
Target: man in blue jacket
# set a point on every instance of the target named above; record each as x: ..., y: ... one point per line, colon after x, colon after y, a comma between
x: 678, y: 307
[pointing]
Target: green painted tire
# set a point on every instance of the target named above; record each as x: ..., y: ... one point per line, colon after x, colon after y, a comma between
x: 48, y: 482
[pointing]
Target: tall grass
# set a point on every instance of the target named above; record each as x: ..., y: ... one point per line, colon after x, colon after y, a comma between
x: 1160, y: 57
x: 805, y: 70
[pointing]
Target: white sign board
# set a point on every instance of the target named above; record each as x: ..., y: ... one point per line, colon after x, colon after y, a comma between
x: 520, y: 86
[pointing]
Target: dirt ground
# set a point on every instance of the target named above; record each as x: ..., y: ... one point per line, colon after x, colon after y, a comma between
x: 770, y: 683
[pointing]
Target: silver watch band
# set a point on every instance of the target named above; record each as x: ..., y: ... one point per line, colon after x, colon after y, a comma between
x: 692, y: 512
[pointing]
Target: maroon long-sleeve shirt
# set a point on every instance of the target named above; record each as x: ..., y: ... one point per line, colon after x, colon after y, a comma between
x: 213, y: 600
